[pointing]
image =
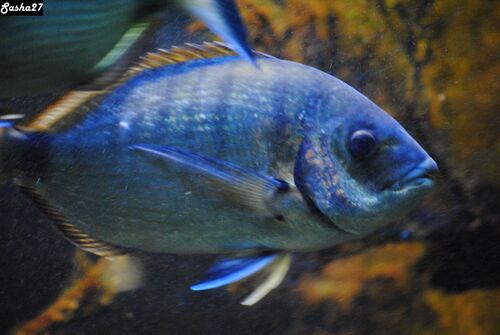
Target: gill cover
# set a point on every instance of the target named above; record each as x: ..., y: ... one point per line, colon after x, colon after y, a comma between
x: 321, y: 180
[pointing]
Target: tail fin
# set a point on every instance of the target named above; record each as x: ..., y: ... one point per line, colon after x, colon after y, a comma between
x: 8, y: 135
x: 4, y: 126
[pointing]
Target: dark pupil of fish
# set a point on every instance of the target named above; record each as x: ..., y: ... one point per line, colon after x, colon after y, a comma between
x: 362, y: 144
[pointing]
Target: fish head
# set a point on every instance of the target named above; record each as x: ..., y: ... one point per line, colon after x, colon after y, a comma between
x: 358, y: 166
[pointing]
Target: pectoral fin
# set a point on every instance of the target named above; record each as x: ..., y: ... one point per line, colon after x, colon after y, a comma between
x: 223, y: 18
x: 250, y: 189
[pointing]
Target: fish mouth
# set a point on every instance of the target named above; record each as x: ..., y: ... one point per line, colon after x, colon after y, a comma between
x: 423, y: 175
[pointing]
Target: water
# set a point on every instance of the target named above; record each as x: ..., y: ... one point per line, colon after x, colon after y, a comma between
x: 431, y: 64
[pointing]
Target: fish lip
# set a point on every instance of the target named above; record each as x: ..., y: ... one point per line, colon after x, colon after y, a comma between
x: 421, y: 175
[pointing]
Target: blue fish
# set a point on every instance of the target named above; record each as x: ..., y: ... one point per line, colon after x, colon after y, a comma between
x: 199, y: 151
x: 76, y: 41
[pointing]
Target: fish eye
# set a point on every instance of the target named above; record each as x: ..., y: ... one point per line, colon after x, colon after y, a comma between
x: 362, y: 144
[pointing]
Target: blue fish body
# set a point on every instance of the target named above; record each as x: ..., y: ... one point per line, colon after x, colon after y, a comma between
x: 76, y: 41
x: 134, y: 172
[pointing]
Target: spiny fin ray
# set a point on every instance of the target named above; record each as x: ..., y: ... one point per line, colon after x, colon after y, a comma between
x: 59, y: 114
x: 186, y: 53
x: 49, y: 120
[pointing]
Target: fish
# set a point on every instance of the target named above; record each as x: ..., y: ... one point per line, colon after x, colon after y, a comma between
x: 197, y: 151
x: 76, y: 41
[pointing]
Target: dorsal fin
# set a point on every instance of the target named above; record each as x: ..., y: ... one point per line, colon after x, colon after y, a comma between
x: 186, y: 53
x: 68, y: 108
x: 71, y: 232
x: 55, y: 116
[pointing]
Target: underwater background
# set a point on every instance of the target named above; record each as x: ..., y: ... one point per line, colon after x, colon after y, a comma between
x: 433, y: 65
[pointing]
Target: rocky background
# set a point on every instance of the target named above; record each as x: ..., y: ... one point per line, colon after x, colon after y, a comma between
x: 434, y: 65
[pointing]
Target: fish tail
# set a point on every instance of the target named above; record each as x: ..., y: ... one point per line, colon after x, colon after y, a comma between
x: 10, y: 139
x: 4, y: 126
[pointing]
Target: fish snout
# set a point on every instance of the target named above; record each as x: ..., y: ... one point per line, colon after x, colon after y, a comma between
x: 421, y: 175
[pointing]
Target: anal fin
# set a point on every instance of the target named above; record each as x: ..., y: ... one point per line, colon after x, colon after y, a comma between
x: 74, y: 234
